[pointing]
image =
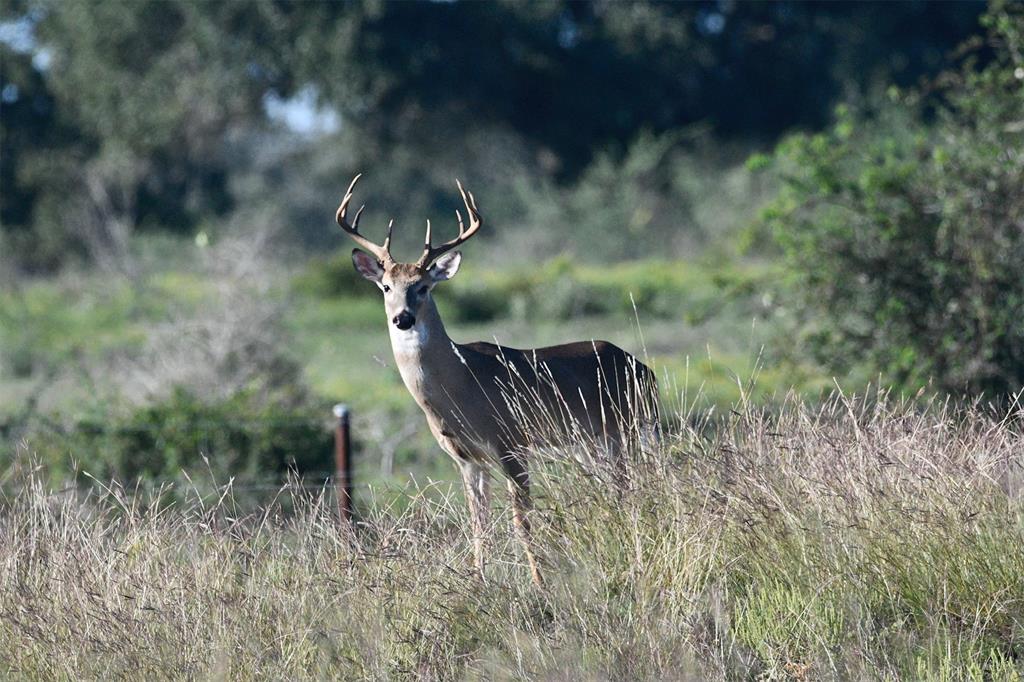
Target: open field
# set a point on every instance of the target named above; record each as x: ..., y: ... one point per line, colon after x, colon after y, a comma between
x: 118, y: 346
x: 670, y: 311
x: 855, y: 541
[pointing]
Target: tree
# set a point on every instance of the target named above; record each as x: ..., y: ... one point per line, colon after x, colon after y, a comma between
x: 907, y: 237
x: 154, y: 107
x: 139, y: 102
x: 578, y: 78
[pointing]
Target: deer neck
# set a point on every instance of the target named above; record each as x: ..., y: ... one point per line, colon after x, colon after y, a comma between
x: 424, y: 351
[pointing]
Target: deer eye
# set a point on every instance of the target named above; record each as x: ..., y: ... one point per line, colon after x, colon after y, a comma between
x: 386, y: 288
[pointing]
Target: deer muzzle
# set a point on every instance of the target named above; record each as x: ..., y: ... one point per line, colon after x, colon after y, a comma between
x: 404, y: 320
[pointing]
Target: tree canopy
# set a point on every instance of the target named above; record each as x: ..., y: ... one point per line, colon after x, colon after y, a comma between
x: 118, y: 116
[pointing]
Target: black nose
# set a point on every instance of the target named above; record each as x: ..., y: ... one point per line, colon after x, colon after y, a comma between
x: 404, y: 320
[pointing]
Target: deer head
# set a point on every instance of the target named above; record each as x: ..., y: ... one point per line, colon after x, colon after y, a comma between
x: 407, y: 286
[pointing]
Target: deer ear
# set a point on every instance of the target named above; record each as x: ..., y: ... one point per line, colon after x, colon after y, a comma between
x: 446, y: 266
x: 367, y: 266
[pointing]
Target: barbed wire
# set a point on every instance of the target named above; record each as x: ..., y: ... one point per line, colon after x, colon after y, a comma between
x: 205, y: 423
x: 200, y: 479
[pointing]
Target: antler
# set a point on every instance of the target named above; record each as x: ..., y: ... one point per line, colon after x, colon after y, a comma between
x: 475, y: 221
x: 382, y: 251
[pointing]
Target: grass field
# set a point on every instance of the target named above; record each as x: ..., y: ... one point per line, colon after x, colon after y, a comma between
x: 859, y: 540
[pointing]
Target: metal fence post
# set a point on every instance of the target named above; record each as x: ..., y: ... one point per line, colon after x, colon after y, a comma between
x: 343, y: 462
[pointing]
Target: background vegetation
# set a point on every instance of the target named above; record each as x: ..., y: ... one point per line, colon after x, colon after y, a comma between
x: 906, y: 236
x: 764, y: 200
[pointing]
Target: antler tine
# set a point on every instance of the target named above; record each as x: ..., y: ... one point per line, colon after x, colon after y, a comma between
x: 355, y: 221
x: 470, y: 201
x: 475, y: 222
x: 382, y: 252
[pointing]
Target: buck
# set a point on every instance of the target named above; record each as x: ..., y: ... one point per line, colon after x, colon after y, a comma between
x: 488, y: 404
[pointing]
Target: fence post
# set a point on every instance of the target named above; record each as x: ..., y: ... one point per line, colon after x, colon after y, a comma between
x: 343, y: 462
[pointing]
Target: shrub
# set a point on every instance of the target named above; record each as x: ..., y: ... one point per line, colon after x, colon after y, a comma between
x: 907, y: 238
x: 243, y: 437
x: 332, y: 275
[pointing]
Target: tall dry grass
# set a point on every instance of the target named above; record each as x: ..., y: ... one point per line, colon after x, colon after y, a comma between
x: 856, y: 540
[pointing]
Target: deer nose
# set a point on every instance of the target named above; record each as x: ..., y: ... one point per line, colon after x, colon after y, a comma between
x: 404, y: 320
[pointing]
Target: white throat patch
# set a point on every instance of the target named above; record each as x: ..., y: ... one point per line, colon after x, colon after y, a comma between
x: 409, y: 341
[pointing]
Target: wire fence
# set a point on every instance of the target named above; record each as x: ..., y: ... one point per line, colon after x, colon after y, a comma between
x: 255, y: 457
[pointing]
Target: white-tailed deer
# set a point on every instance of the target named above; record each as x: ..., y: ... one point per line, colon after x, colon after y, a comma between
x: 489, y: 404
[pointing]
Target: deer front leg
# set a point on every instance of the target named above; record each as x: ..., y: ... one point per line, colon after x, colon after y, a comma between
x: 477, y: 485
x: 519, y: 490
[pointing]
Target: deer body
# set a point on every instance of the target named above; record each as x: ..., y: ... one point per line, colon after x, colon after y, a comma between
x: 460, y: 387
x: 487, y: 404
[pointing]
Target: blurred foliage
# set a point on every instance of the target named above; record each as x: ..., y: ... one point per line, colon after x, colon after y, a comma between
x: 243, y: 437
x: 125, y: 116
x: 670, y: 194
x: 906, y: 238
x: 46, y: 326
x: 563, y: 289
x: 116, y: 117
x: 577, y: 77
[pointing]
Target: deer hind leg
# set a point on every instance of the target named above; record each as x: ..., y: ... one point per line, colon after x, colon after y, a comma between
x: 477, y: 485
x: 618, y: 454
x: 519, y: 490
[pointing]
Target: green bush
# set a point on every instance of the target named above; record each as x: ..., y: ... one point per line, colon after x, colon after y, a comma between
x: 242, y: 437
x: 907, y: 237
x: 332, y: 275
